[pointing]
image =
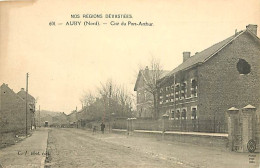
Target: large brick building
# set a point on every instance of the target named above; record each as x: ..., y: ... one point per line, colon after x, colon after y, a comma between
x: 208, y: 83
x: 145, y: 99
x: 12, y: 111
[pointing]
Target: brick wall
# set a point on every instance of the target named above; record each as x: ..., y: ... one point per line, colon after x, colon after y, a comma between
x: 220, y: 86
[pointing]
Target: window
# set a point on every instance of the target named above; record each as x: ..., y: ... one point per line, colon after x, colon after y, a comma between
x: 184, y: 90
x: 194, y: 113
x: 183, y: 114
x: 177, y: 114
x: 194, y: 87
x: 172, y: 87
x: 161, y: 90
x: 177, y: 89
x: 172, y: 114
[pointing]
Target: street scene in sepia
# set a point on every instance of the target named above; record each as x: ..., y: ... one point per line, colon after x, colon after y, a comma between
x: 170, y: 126
x: 117, y: 84
x: 80, y: 148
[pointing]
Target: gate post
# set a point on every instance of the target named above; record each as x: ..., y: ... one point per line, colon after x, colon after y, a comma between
x: 164, y: 118
x: 248, y: 126
x: 133, y: 124
x: 232, y: 123
x: 127, y: 126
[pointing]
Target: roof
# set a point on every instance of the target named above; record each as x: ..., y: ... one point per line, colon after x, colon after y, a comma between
x: 11, y: 90
x: 142, y: 74
x: 22, y: 94
x: 204, y: 55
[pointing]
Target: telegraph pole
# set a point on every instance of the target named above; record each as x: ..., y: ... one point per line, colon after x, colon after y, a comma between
x: 26, y: 101
x: 39, y: 116
x: 109, y: 107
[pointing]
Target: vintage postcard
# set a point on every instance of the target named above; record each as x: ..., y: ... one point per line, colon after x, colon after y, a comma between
x: 118, y: 84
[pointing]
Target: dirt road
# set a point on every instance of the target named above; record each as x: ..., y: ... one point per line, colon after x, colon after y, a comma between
x: 78, y: 148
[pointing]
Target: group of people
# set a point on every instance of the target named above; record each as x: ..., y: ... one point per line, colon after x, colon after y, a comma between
x: 102, y: 126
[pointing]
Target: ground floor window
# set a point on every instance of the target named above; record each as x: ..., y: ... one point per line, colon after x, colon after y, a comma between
x: 172, y: 114
x: 194, y: 113
x: 183, y: 114
x: 177, y: 116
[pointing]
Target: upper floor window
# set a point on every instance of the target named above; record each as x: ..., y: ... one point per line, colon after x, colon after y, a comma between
x: 177, y: 89
x: 194, y: 87
x: 161, y: 90
x: 172, y: 87
x: 184, y: 90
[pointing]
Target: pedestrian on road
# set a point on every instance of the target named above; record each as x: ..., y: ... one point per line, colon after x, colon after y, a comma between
x: 94, y: 129
x: 102, y: 127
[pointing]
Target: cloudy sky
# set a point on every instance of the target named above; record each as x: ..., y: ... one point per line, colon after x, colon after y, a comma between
x: 63, y: 61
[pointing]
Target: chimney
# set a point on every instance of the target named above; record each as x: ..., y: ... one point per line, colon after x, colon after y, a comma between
x: 146, y: 71
x: 22, y: 89
x: 186, y: 55
x: 252, y: 28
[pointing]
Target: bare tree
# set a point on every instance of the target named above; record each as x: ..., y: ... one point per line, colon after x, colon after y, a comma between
x: 116, y: 97
x: 150, y: 77
x: 111, y: 99
x: 87, y: 98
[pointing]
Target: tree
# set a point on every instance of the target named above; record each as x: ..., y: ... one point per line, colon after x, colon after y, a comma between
x: 110, y: 99
x: 87, y: 99
x: 151, y: 76
x: 116, y: 98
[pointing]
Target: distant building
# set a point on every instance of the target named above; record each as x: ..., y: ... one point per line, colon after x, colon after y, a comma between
x: 13, y: 111
x: 208, y: 83
x: 73, y: 118
x: 31, y: 102
x: 60, y: 120
x: 145, y: 99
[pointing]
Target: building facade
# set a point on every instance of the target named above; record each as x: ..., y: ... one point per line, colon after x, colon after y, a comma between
x: 201, y: 89
x: 144, y: 98
x: 13, y: 112
x: 31, y: 104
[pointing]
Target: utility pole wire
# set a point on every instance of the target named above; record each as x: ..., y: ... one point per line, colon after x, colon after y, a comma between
x: 26, y: 102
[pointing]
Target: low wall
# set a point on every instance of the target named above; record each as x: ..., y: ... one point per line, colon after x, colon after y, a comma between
x: 184, y: 125
x: 217, y: 140
x: 7, y: 139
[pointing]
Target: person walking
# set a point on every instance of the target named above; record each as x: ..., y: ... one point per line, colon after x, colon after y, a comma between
x: 94, y: 129
x: 102, y: 127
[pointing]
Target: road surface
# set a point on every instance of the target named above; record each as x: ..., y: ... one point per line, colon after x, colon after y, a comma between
x: 79, y: 148
x: 70, y: 147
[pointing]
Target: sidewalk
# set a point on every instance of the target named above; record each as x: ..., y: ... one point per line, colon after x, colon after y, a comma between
x: 28, y: 153
x: 187, y: 154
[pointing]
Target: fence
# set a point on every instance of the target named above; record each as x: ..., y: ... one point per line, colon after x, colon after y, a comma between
x: 185, y: 125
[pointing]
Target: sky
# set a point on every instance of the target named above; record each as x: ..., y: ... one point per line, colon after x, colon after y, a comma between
x: 64, y: 61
